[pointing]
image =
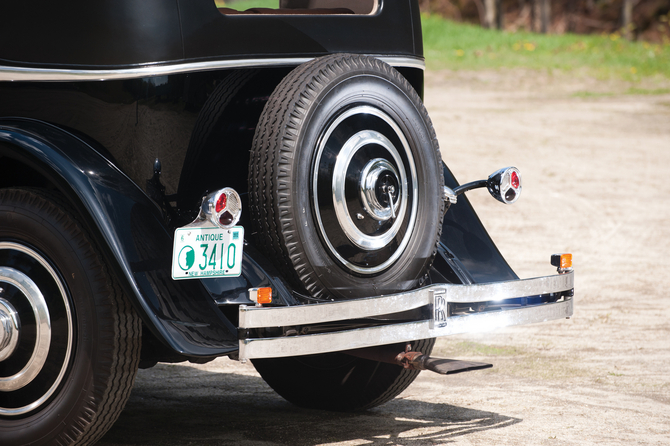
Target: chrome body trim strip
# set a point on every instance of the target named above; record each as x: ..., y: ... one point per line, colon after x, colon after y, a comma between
x: 404, y: 332
x: 404, y: 62
x: 258, y: 317
x: 9, y: 73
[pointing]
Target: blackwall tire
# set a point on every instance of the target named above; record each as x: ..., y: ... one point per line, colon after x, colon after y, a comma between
x: 217, y: 126
x: 54, y: 279
x: 337, y: 381
x: 340, y: 139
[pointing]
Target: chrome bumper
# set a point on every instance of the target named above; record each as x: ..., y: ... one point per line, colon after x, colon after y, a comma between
x: 436, y: 297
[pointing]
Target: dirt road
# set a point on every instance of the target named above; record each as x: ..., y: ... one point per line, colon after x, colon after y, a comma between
x: 596, y: 172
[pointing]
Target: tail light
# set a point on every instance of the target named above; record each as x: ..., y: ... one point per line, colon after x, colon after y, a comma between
x: 223, y: 208
x: 505, y: 185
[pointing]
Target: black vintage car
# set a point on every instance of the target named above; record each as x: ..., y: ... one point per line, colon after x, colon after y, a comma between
x: 180, y: 182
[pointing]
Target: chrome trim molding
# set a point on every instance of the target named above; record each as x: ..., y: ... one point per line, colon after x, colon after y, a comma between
x: 391, y: 334
x: 9, y: 73
x: 258, y: 317
x: 404, y: 62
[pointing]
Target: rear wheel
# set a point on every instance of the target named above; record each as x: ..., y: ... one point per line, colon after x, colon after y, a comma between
x: 337, y: 381
x: 69, y: 338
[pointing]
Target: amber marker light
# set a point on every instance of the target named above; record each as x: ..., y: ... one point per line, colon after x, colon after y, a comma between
x: 562, y: 261
x: 261, y: 295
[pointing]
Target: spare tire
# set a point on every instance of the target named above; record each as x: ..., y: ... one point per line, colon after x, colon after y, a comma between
x: 345, y: 181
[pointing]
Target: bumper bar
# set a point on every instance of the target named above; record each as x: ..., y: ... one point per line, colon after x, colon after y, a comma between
x: 436, y: 297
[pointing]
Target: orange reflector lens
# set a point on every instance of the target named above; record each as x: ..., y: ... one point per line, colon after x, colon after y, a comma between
x: 261, y: 295
x: 562, y: 261
x: 265, y: 295
x: 566, y: 261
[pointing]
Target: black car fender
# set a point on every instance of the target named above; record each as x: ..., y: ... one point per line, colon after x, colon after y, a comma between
x: 130, y: 233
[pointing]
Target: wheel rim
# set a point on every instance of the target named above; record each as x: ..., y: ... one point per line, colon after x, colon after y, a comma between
x: 365, y: 190
x: 39, y: 335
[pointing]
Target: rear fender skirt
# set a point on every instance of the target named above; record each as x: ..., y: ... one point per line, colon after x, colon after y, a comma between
x: 130, y: 232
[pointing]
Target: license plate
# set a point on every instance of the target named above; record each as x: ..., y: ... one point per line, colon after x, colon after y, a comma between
x: 204, y: 252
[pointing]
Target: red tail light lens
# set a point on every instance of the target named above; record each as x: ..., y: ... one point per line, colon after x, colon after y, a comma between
x: 226, y: 219
x: 221, y: 203
x: 515, y: 180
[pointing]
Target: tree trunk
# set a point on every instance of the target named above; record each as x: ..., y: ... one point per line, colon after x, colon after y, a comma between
x: 500, y: 17
x: 481, y: 9
x: 545, y: 15
x: 533, y: 15
x: 627, y: 18
x: 490, y: 13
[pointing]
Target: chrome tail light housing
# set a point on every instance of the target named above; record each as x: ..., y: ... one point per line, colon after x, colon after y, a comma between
x: 223, y: 208
x: 505, y: 185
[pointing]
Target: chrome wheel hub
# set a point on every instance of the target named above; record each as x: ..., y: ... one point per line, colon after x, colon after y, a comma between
x: 43, y: 330
x: 379, y: 188
x: 36, y: 329
x: 9, y: 328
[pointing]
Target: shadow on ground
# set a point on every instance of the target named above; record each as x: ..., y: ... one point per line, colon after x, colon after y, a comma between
x: 176, y: 405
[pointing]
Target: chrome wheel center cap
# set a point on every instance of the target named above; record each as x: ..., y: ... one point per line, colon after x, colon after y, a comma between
x: 9, y: 329
x: 379, y: 189
x: 33, y: 295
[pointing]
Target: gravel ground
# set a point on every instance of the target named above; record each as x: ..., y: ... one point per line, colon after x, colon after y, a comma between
x: 595, y: 165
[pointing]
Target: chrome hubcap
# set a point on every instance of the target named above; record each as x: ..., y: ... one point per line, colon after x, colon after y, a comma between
x: 379, y: 188
x: 34, y: 353
x: 43, y: 327
x: 9, y: 328
x: 370, y: 179
x: 365, y: 190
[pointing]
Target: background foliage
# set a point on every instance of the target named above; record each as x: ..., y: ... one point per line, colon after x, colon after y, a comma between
x: 649, y: 17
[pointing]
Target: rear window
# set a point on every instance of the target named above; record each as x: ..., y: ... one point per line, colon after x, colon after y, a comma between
x: 298, y: 7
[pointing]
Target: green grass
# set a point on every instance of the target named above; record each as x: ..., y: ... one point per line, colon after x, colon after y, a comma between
x: 461, y: 46
x: 648, y: 91
x: 241, y: 5
x: 631, y: 91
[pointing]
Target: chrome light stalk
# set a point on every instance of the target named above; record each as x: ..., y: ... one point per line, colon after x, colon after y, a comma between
x: 504, y: 185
